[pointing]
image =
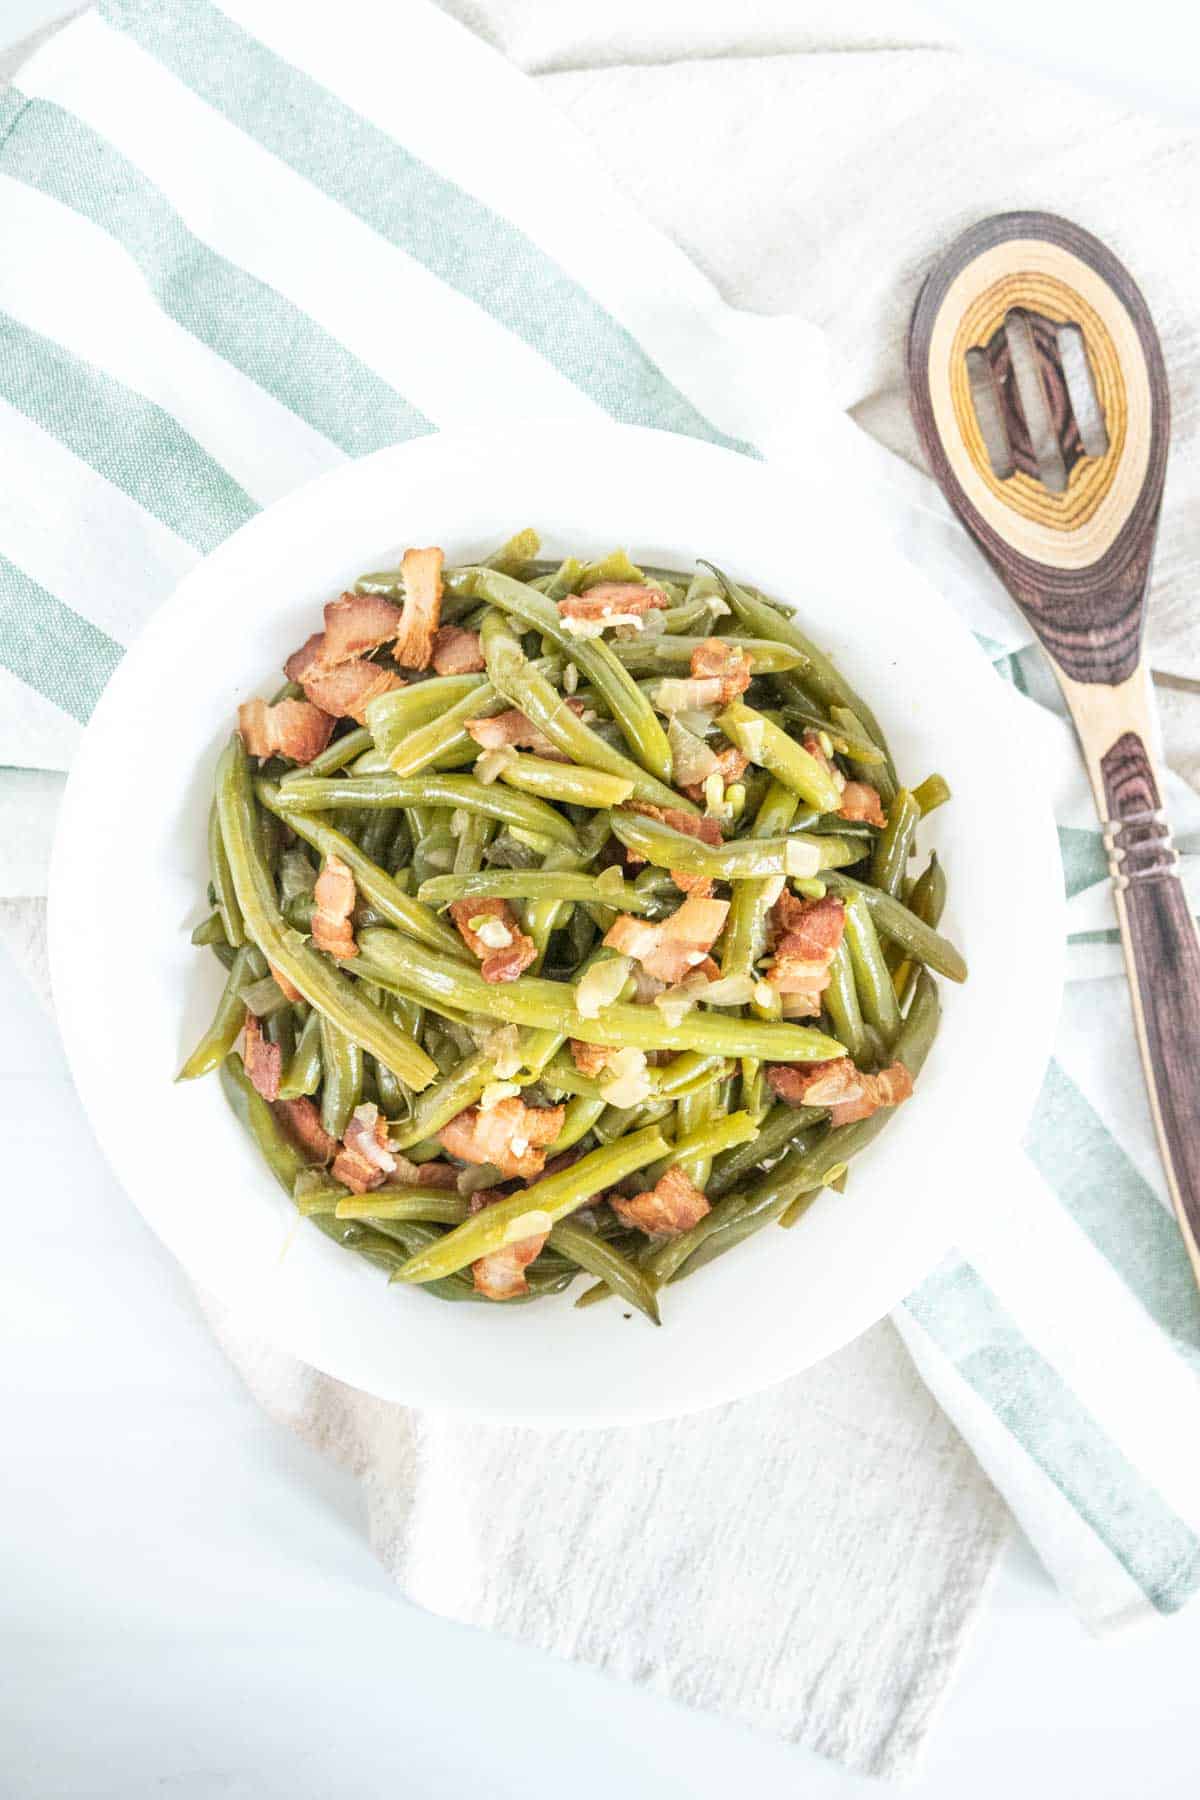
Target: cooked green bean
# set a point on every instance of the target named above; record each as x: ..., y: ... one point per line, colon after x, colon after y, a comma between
x: 517, y: 811
x: 767, y: 744
x: 567, y: 783
x: 872, y: 977
x: 931, y: 793
x: 341, y: 1087
x: 321, y: 985
x: 532, y: 1000
x: 302, y: 1074
x: 619, y: 1273
x: 741, y: 859
x: 210, y: 931
x: 444, y: 738
x: 394, y: 716
x: 889, y: 861
x: 669, y: 654
x: 535, y: 1208
x: 229, y: 1017
x: 535, y: 885
x: 337, y: 755
x: 842, y: 1003
x: 226, y: 897
x: 894, y: 920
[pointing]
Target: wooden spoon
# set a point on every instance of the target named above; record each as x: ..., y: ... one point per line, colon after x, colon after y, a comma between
x: 1038, y: 388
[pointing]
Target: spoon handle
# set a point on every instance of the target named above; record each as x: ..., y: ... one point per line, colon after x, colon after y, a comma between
x: 1158, y: 931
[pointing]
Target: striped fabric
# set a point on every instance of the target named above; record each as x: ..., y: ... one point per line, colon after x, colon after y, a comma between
x: 240, y: 248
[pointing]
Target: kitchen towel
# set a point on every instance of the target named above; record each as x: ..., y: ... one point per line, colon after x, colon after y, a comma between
x: 246, y: 243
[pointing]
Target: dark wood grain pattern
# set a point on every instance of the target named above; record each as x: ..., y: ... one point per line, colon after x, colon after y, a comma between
x: 1089, y: 618
x: 1166, y: 957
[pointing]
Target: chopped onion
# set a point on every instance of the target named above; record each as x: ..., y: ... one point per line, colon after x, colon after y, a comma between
x: 495, y: 1092
x: 729, y: 990
x: 751, y: 740
x: 534, y: 1223
x: 801, y: 859
x: 626, y: 1080
x: 675, y: 1003
x: 775, y: 885
x: 696, y: 719
x: 492, y: 763
x: 459, y: 820
x: 600, y: 985
x: 503, y: 1046
x: 693, y: 762
x: 493, y: 932
x: 714, y: 795
x: 679, y: 694
x: 764, y: 993
x: 570, y: 678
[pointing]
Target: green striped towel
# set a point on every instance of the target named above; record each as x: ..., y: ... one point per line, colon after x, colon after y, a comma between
x: 239, y: 248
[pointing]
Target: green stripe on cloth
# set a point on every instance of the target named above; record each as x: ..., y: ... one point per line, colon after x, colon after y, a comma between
x: 1070, y: 1145
x: 961, y: 1315
x: 123, y: 436
x: 243, y: 320
x: 460, y: 240
x: 50, y: 648
x: 1084, y: 859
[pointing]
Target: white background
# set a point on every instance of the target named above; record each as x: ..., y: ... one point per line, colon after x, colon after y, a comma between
x: 189, y: 1604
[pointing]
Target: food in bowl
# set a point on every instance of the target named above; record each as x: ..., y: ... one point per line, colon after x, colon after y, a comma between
x: 568, y: 924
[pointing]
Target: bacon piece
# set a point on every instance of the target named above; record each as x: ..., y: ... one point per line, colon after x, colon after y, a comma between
x: 512, y: 727
x: 676, y: 947
x: 287, y: 988
x: 672, y: 1205
x: 355, y: 624
x: 890, y: 1087
x: 690, y: 824
x: 334, y: 898
x: 293, y: 728
x: 732, y: 764
x: 501, y: 946
x: 591, y: 1059
x: 715, y: 660
x: 861, y: 801
x: 816, y: 1084
x: 306, y: 660
x: 806, y: 936
x: 512, y: 1136
x: 263, y: 1060
x: 501, y: 1273
x: 301, y: 1119
x: 436, y: 1174
x: 421, y: 572
x: 699, y: 885
x: 612, y: 601
x: 364, y: 1159
x: 456, y: 651
x: 345, y: 691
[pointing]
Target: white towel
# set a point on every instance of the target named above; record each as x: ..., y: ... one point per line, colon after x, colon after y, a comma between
x: 245, y: 244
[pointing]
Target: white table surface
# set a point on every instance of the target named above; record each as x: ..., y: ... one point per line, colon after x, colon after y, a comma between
x: 189, y: 1602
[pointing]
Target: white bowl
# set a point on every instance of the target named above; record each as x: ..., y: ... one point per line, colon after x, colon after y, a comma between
x: 129, y: 872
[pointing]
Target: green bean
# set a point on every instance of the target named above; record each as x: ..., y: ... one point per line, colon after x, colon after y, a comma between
x: 252, y: 1111
x: 766, y: 744
x: 528, y: 689
x: 447, y: 1098
x: 321, y: 985
x: 691, y: 1112
x: 581, y: 1114
x: 533, y: 884
x: 445, y: 739
x: 745, y: 937
x: 535, y: 1208
x: 210, y: 931
x: 618, y: 1272
x: 894, y: 920
x: 931, y: 793
x: 373, y: 884
x: 893, y: 846
x: 567, y: 783
x: 703, y: 1139
x: 842, y: 739
x: 336, y: 755
x: 842, y: 1004
x: 530, y: 1000
x: 226, y: 897
x: 562, y: 581
x: 517, y: 811
x: 341, y: 1088
x: 783, y: 1127
x: 302, y: 1074
x: 435, y: 1206
x: 229, y: 1017
x: 875, y: 769
x: 872, y: 977
x: 393, y: 716
x: 473, y: 839
x: 927, y: 902
x: 741, y: 859
x: 656, y: 655
x: 616, y: 566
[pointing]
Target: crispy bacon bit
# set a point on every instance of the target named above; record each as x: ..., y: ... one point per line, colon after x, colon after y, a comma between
x: 512, y: 1136
x: 861, y: 801
x: 307, y: 660
x: 501, y: 1273
x: 356, y: 624
x: 690, y: 824
x: 490, y: 931
x: 364, y: 1159
x: 288, y: 989
x: 889, y: 1088
x: 513, y: 728
x: 672, y: 1205
x: 806, y: 935
x: 715, y: 660
x: 699, y: 885
x: 421, y: 571
x: 301, y: 1119
x: 345, y: 691
x: 293, y: 728
x: 456, y: 651
x: 263, y: 1060
x: 610, y: 601
x: 677, y: 946
x: 732, y: 764
x: 436, y: 1174
x: 334, y: 898
x: 590, y: 1059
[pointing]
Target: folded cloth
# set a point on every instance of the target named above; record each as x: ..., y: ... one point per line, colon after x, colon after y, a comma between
x: 242, y: 248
